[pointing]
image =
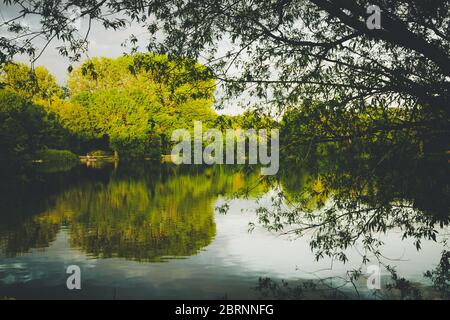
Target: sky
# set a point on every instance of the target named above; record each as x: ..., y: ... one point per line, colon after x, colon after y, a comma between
x: 102, y: 42
x: 105, y: 43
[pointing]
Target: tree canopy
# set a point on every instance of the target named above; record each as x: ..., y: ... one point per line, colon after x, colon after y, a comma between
x: 37, y: 84
x: 285, y: 51
x: 25, y: 128
x: 130, y: 104
x: 137, y: 101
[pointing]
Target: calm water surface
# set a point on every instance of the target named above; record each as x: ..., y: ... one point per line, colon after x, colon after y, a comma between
x: 153, y: 232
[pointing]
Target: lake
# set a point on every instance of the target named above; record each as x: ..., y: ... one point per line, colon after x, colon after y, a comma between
x: 155, y: 231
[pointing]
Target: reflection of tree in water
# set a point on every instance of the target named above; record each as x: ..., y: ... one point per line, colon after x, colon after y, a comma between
x: 396, y: 287
x: 23, y: 201
x: 33, y: 233
x: 349, y: 193
x: 345, y: 192
x: 141, y: 220
x: 341, y: 193
x: 138, y: 213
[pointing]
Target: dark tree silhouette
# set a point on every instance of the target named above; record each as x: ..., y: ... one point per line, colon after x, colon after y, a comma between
x: 285, y: 51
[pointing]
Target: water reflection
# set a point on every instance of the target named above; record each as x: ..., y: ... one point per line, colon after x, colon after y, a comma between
x: 138, y: 212
x: 354, y: 191
x: 353, y: 202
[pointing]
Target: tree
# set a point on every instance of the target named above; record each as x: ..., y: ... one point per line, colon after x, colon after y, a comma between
x: 288, y: 52
x: 118, y: 115
x: 37, y: 84
x: 137, y: 101
x: 25, y: 128
x: 38, y: 91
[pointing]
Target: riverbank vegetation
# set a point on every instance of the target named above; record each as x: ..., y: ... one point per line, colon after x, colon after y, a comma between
x: 127, y: 107
x: 363, y: 116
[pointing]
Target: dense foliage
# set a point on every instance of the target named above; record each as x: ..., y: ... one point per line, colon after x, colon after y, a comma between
x: 25, y: 128
x: 282, y: 51
x: 129, y: 105
x: 137, y: 101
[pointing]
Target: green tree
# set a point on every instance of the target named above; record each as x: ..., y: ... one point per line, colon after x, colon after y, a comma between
x: 37, y: 84
x: 119, y: 114
x: 285, y: 52
x: 25, y: 128
x: 137, y: 101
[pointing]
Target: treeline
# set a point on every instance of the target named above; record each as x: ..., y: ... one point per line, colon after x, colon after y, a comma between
x: 128, y: 106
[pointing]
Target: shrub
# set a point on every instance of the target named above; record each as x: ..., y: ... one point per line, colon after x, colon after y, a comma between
x: 56, y: 156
